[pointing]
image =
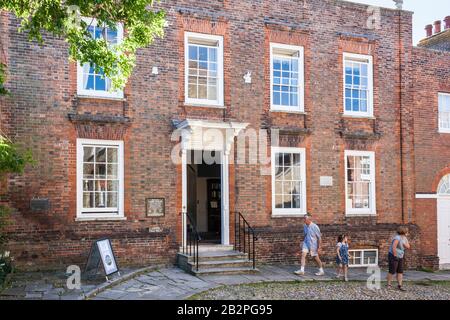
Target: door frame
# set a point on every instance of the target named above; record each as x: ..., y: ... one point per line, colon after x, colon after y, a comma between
x: 225, y: 188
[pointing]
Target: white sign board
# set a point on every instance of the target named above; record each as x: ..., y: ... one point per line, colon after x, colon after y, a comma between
x: 326, y: 181
x: 109, y: 262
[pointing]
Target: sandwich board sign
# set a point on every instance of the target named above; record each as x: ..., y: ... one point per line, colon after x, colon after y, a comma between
x: 101, y: 252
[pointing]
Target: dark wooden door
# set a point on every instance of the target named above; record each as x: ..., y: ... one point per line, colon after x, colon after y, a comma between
x: 214, y: 207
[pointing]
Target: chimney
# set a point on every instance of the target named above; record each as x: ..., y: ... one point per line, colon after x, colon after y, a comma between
x: 447, y: 22
x: 437, y: 26
x: 429, y: 29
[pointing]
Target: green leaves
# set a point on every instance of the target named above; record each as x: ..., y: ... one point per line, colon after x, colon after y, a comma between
x: 3, y: 90
x: 141, y: 23
x: 13, y: 160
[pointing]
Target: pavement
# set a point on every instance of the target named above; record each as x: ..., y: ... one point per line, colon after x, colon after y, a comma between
x: 169, y: 283
x: 175, y: 284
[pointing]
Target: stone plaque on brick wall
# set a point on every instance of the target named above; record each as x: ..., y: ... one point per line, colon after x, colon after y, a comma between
x: 155, y: 207
x: 326, y: 181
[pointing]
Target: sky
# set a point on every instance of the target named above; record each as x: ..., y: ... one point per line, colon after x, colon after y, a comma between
x: 425, y: 12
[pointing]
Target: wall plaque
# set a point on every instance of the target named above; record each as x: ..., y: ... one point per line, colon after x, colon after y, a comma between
x: 326, y: 181
x: 155, y: 207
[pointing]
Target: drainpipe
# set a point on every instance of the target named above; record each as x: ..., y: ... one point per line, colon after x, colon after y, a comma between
x: 402, y: 187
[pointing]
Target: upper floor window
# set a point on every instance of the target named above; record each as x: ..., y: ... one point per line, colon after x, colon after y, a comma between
x: 100, y: 177
x: 203, y: 69
x: 89, y: 81
x: 288, y: 181
x: 358, y: 85
x: 444, y: 112
x: 360, y: 182
x: 286, y: 77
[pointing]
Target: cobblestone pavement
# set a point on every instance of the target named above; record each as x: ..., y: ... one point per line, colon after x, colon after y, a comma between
x: 326, y: 291
x: 173, y: 283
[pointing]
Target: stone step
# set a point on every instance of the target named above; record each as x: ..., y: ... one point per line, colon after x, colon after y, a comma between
x: 224, y: 271
x: 212, y: 248
x: 216, y: 262
x: 216, y: 256
x: 235, y: 263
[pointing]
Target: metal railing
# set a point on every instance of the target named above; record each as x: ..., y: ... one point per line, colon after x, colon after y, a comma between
x: 244, y: 237
x: 192, y: 239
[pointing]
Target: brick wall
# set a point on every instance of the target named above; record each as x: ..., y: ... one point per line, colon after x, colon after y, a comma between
x: 431, y: 148
x: 45, y: 114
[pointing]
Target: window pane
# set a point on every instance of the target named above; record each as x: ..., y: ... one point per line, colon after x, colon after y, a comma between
x: 112, y: 36
x: 287, y: 201
x: 88, y: 185
x: 112, y: 155
x: 88, y: 154
x: 370, y: 257
x: 100, y: 199
x: 202, y: 92
x: 193, y: 53
x: 212, y: 93
x: 100, y: 154
x: 100, y: 171
x: 112, y: 171
x: 112, y: 200
x: 278, y: 201
x: 88, y: 200
x: 296, y: 202
x: 192, y: 91
x: 88, y: 170
x: 203, y: 54
x: 88, y: 82
x: 212, y: 54
x: 100, y: 185
x: 100, y: 83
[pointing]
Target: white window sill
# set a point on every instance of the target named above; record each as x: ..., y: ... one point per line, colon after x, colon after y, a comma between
x: 362, y: 214
x: 93, y: 96
x: 204, y: 105
x: 287, y: 111
x: 358, y: 116
x: 287, y: 215
x: 81, y: 219
x: 444, y: 131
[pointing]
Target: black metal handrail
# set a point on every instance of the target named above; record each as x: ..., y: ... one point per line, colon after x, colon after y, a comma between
x: 244, y: 237
x: 193, y: 239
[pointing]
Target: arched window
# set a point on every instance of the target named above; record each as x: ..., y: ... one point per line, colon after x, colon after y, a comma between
x: 444, y: 186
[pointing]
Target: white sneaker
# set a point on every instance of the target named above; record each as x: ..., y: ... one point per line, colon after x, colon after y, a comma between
x: 300, y: 272
x: 320, y: 273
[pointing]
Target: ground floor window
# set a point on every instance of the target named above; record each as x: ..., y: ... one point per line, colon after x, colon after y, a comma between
x: 99, y: 178
x: 288, y: 181
x: 363, y: 258
x: 360, y: 182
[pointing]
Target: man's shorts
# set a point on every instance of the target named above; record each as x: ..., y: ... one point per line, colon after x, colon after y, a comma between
x: 395, y: 264
x: 311, y: 250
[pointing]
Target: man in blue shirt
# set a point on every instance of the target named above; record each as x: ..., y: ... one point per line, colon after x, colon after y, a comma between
x: 311, y: 245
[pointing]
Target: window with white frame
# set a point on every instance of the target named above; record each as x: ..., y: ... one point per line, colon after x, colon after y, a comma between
x: 203, y: 69
x: 360, y: 182
x: 363, y: 258
x: 92, y: 82
x: 288, y: 181
x: 286, y: 77
x: 358, y: 85
x: 444, y: 112
x: 100, y: 182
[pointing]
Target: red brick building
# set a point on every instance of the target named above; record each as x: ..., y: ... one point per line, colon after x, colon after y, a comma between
x: 354, y: 104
